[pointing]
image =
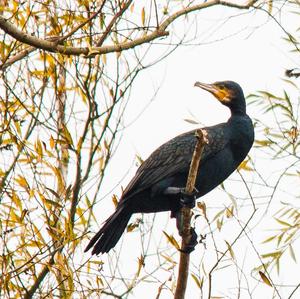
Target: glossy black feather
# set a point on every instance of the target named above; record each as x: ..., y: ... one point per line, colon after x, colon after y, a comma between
x: 227, y: 146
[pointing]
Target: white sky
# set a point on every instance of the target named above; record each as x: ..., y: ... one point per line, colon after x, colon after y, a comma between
x: 256, y: 58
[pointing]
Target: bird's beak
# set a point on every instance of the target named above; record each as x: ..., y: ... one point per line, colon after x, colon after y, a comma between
x: 209, y: 87
x: 220, y: 94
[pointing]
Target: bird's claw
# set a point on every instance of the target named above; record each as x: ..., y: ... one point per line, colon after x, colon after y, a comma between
x: 188, y: 199
x: 188, y: 248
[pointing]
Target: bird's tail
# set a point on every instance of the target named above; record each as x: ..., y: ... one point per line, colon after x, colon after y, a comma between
x: 110, y: 233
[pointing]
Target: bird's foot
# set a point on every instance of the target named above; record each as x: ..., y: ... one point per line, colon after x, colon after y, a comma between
x: 190, y: 246
x: 188, y: 199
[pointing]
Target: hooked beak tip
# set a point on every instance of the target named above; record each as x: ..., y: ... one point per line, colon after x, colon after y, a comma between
x: 197, y: 84
x: 205, y: 86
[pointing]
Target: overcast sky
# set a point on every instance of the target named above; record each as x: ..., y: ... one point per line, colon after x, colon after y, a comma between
x: 253, y: 54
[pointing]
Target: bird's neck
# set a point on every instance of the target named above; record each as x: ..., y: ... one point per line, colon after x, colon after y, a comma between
x: 238, y: 111
x: 238, y: 106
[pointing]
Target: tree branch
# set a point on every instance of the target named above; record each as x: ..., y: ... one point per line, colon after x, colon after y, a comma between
x: 54, y: 46
x: 186, y: 216
x: 31, y: 49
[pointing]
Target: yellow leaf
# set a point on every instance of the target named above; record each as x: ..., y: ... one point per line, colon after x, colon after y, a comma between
x: 202, y: 206
x: 24, y: 212
x: 14, y: 217
x: 143, y: 16
x: 99, y: 282
x: 39, y: 148
x: 141, y: 264
x: 172, y: 240
x: 230, y: 250
x: 54, y: 203
x: 79, y: 144
x: 53, y: 192
x: 16, y: 200
x: 51, y: 61
x: 199, y: 282
x: 99, y: 263
x: 115, y: 200
x: 244, y: 166
x: 264, y: 278
x: 229, y: 212
x: 219, y: 224
x: 270, y: 6
x: 52, y: 142
x: 131, y: 227
x: 67, y: 136
x: 59, y: 177
x: 280, y: 237
x: 54, y: 233
x: 18, y: 127
x: 263, y: 143
x: 38, y: 234
x: 103, y: 56
x: 22, y: 181
x: 61, y: 263
x: 169, y: 259
x: 218, y: 214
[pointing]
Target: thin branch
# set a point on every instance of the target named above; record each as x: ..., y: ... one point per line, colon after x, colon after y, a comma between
x: 112, y: 22
x: 41, y: 276
x: 93, y: 16
x: 17, y: 57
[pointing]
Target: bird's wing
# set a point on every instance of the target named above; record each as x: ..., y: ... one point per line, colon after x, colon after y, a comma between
x: 175, y: 157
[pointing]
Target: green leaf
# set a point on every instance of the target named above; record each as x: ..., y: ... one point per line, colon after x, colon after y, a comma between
x: 283, y: 222
x: 292, y: 253
x: 275, y: 255
x: 199, y: 282
x: 269, y: 239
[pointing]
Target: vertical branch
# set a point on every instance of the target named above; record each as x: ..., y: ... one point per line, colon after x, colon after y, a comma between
x: 62, y: 149
x: 61, y: 125
x: 186, y: 219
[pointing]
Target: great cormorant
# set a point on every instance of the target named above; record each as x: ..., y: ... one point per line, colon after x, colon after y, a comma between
x: 158, y: 182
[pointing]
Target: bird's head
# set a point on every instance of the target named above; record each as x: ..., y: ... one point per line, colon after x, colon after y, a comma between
x: 229, y: 93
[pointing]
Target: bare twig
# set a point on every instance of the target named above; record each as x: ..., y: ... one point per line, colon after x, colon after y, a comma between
x: 112, y: 22
x: 186, y: 218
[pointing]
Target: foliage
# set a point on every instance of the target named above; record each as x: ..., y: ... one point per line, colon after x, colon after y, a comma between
x: 279, y: 139
x: 67, y: 72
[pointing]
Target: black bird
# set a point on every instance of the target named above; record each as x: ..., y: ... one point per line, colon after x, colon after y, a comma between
x: 158, y: 183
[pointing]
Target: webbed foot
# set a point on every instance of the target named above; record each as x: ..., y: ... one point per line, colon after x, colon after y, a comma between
x: 188, y: 248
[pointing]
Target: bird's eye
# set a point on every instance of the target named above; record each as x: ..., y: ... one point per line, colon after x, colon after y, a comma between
x: 221, y: 87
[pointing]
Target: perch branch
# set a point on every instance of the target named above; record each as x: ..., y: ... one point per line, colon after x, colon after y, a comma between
x: 186, y: 218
